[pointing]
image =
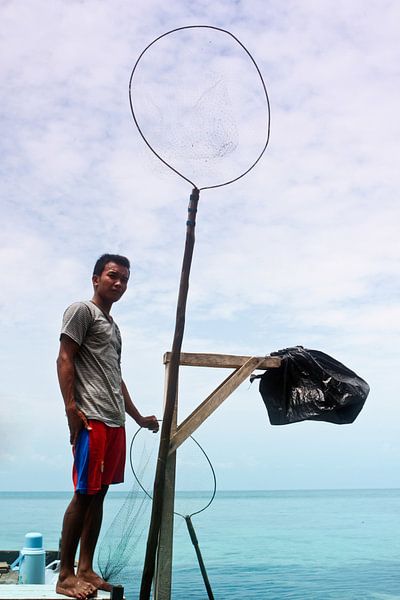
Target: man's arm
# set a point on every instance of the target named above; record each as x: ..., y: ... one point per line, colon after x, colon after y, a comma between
x: 66, y: 379
x: 147, y: 422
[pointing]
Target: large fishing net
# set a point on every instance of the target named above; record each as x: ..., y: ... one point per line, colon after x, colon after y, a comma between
x: 200, y: 103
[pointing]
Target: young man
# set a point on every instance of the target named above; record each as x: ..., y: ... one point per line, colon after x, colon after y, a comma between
x: 96, y: 400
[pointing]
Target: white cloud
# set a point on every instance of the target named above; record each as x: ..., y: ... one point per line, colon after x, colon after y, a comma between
x: 304, y: 249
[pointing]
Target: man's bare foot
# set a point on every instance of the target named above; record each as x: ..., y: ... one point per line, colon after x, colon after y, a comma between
x: 98, y: 582
x: 75, y: 587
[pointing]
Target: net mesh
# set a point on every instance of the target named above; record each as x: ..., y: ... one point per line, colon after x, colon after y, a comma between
x: 118, y: 550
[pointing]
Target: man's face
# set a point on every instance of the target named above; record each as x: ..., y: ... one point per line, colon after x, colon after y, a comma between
x: 112, y: 282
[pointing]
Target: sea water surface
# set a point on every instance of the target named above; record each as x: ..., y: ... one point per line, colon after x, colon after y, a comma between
x: 297, y: 545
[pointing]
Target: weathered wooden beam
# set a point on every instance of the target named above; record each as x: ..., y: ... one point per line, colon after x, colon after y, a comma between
x: 221, y: 361
x: 213, y: 401
x: 170, y: 400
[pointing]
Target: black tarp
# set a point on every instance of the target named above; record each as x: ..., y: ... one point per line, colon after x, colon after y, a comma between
x: 310, y: 385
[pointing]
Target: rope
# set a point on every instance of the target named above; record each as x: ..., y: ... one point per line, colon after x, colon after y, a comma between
x: 186, y: 518
x: 197, y: 512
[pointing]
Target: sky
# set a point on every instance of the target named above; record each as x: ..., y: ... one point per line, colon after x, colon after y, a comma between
x: 304, y: 250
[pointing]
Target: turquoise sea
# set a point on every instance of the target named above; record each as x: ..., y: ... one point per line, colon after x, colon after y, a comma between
x: 278, y: 545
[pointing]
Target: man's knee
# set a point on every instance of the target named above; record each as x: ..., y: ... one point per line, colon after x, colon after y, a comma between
x: 99, y: 496
x: 80, y: 501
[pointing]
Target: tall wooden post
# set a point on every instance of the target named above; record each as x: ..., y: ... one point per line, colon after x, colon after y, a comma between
x: 158, y: 495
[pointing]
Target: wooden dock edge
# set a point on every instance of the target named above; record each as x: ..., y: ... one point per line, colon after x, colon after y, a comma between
x: 38, y: 592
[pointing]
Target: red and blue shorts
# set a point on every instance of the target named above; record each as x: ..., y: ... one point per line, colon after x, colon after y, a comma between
x: 99, y: 457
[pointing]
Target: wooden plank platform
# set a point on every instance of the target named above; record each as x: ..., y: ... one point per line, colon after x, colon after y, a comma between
x: 37, y: 592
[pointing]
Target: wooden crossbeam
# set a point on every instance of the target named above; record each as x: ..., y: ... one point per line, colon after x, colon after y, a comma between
x: 221, y: 361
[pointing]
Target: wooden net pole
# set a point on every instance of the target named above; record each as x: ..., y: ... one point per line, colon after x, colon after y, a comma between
x: 171, y: 394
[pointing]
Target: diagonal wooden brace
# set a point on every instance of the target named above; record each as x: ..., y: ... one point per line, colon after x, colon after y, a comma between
x: 213, y: 401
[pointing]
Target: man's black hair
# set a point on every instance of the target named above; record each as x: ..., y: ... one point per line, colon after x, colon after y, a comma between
x: 106, y: 258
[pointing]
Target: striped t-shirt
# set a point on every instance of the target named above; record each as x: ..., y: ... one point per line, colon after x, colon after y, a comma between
x: 97, y: 363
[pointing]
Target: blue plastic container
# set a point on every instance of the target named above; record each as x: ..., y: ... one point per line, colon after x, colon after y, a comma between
x: 32, y: 560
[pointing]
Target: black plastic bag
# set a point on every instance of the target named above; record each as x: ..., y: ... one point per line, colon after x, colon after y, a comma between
x: 310, y: 385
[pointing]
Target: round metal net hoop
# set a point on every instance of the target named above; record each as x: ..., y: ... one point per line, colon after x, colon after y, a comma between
x: 200, y: 103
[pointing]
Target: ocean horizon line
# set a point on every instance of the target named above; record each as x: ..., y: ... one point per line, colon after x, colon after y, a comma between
x: 224, y: 491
